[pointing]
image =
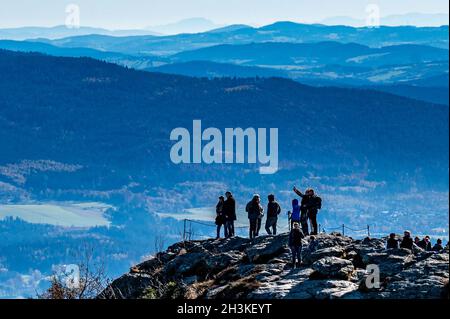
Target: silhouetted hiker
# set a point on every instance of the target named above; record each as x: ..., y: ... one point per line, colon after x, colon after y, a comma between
x: 220, y: 217
x: 295, y: 215
x: 407, y: 241
x: 255, y: 211
x: 295, y: 243
x: 438, y: 246
x: 229, y: 209
x: 303, y: 211
x: 425, y: 243
x: 392, y: 242
x: 273, y: 210
x: 313, y: 203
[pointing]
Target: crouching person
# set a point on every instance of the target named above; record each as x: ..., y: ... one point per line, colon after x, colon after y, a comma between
x: 295, y: 243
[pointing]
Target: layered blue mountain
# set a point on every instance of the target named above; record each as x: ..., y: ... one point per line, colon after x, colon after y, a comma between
x: 133, y: 61
x: 410, y: 65
x: 278, y: 32
x: 413, y: 81
x: 414, y: 71
x: 310, y: 54
x: 210, y: 69
x: 409, y: 70
x: 103, y: 116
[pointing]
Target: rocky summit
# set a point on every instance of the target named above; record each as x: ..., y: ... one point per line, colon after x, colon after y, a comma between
x: 340, y: 267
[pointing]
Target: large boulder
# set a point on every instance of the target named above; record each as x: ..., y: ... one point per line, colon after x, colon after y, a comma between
x: 322, y: 289
x: 328, y: 240
x: 332, y: 267
x: 311, y: 257
x: 266, y: 248
x: 280, y: 285
x: 129, y: 286
x: 426, y: 279
x: 188, y: 264
x: 390, y: 262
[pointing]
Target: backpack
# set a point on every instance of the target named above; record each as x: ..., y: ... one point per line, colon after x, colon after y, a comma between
x: 318, y: 202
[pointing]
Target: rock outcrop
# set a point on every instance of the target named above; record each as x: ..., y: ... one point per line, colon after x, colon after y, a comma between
x: 233, y: 268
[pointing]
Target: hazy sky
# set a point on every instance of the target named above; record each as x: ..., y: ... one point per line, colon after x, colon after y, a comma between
x: 117, y: 14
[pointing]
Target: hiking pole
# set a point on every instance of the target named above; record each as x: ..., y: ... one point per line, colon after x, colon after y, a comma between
x: 289, y: 220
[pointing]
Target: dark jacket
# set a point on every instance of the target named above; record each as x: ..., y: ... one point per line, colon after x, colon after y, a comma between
x: 424, y: 245
x: 303, y: 204
x: 220, y: 216
x: 313, y: 203
x: 229, y: 208
x: 273, y: 209
x: 438, y: 247
x: 254, y: 210
x: 392, y: 243
x: 295, y: 237
x: 407, y: 243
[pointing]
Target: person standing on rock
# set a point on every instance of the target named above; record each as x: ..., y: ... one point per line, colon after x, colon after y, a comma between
x: 295, y: 215
x: 273, y: 210
x: 303, y: 219
x: 392, y: 242
x: 313, y: 204
x: 295, y: 243
x: 220, y: 218
x: 229, y: 209
x: 255, y: 213
x: 407, y: 241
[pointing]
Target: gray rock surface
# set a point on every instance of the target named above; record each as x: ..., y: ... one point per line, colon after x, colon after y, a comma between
x: 239, y: 268
x: 333, y: 267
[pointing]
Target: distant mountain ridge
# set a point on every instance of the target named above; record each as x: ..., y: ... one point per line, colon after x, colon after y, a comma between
x: 277, y: 32
x: 320, y: 53
x: 62, y: 31
x: 65, y: 76
x: 432, y: 89
x: 354, y: 64
x: 133, y: 61
x: 408, y: 19
x: 192, y: 25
